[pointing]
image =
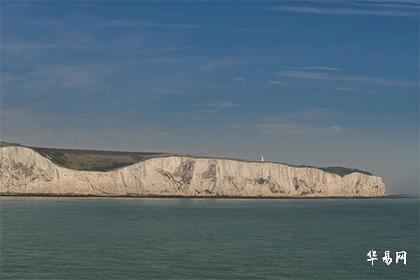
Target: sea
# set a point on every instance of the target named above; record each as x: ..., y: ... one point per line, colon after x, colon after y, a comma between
x: 154, y: 238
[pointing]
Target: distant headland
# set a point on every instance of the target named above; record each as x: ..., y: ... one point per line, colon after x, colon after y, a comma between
x: 26, y: 170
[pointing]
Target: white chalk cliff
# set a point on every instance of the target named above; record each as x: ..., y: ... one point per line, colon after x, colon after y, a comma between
x: 24, y: 171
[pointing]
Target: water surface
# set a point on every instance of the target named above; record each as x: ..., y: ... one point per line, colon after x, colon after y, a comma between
x: 105, y: 238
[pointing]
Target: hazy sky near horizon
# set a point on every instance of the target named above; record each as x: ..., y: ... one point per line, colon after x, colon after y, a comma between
x: 316, y: 82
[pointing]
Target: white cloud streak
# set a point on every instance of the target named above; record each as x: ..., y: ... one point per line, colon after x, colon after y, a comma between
x: 347, y: 89
x: 305, y: 122
x: 294, y: 129
x: 276, y: 83
x: 256, y: 29
x: 346, y: 11
x: 343, y: 77
x: 393, y: 2
x: 322, y: 68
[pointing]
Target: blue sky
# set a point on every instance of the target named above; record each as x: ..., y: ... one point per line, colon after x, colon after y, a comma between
x: 309, y: 82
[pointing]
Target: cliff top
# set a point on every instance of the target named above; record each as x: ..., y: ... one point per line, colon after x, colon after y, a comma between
x: 93, y: 160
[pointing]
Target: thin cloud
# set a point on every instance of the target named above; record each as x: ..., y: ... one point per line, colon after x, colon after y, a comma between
x: 147, y: 24
x: 198, y: 116
x: 343, y: 77
x: 61, y: 79
x: 305, y: 122
x: 394, y: 2
x: 255, y: 29
x: 347, y: 89
x: 295, y: 129
x: 322, y: 68
x: 69, y: 42
x: 303, y: 116
x: 239, y: 79
x: 313, y: 114
x: 276, y: 83
x: 345, y: 11
x: 400, y: 4
x: 225, y: 104
x: 19, y: 47
x: 21, y: 114
x: 219, y: 63
x: 16, y: 4
x: 93, y: 23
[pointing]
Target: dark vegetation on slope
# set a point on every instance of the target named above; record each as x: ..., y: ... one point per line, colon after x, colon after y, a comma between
x: 342, y: 171
x: 89, y: 160
x: 6, y: 144
x: 92, y: 160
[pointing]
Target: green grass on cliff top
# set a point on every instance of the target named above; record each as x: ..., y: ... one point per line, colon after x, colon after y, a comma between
x: 92, y: 160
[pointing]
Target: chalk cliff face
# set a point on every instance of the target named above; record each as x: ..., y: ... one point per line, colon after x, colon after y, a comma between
x: 24, y: 171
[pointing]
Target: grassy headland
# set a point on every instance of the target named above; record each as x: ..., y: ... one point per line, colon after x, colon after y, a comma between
x: 92, y: 160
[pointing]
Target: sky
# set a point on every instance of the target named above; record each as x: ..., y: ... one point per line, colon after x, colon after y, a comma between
x: 316, y: 82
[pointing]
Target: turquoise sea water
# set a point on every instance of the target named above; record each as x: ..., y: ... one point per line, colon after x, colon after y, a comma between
x: 102, y: 238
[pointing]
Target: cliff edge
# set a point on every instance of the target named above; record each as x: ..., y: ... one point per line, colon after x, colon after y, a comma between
x: 25, y: 171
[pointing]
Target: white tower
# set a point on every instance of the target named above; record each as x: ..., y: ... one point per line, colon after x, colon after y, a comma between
x: 262, y: 158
